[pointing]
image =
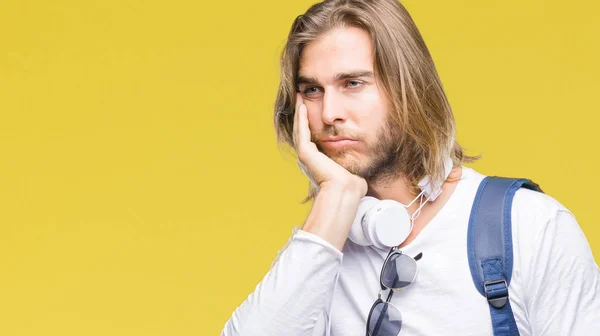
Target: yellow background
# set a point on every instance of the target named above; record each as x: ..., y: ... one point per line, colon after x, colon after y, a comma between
x: 141, y: 189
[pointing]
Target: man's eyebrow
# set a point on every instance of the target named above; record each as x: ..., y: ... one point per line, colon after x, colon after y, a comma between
x: 354, y: 74
x: 338, y: 77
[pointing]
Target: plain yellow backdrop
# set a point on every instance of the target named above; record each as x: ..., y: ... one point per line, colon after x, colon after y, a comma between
x: 141, y: 189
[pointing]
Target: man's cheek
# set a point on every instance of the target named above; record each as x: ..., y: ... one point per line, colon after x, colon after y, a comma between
x: 314, y: 124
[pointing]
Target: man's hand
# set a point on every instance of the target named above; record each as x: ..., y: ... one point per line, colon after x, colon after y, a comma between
x: 339, y: 193
x: 318, y: 167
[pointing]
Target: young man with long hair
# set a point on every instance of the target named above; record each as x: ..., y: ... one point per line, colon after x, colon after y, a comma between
x: 361, y: 103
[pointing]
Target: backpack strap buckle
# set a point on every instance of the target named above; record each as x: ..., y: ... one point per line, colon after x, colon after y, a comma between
x: 496, y: 292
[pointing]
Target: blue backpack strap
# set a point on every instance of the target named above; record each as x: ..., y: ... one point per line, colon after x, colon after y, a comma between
x: 489, y: 246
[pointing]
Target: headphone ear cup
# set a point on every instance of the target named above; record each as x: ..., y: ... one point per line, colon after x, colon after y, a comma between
x: 389, y: 223
x: 382, y: 223
x: 386, y: 223
x: 359, y: 230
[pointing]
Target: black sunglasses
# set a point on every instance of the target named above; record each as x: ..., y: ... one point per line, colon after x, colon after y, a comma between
x: 398, y: 271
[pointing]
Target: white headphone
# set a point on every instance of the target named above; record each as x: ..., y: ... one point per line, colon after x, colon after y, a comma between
x: 386, y: 223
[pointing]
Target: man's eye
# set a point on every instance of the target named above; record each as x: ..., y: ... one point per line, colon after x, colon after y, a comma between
x: 354, y: 84
x: 310, y: 90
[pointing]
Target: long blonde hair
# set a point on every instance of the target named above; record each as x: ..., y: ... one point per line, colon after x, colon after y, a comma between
x: 404, y: 71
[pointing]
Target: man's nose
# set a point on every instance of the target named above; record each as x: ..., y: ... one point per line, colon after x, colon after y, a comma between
x: 333, y: 110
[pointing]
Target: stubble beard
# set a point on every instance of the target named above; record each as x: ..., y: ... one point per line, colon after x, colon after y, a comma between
x: 382, y: 161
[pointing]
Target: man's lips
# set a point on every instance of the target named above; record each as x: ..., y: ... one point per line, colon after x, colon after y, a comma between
x: 337, y: 142
x: 337, y: 139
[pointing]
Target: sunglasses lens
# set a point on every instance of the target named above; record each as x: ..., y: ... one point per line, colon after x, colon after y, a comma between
x: 385, y: 320
x: 399, y: 271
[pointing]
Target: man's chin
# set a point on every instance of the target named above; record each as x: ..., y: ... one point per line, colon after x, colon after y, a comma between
x: 351, y: 163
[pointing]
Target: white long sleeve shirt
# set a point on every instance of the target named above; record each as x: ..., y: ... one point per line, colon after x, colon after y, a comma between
x: 314, y: 289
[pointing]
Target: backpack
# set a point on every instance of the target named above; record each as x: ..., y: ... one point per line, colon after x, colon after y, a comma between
x: 489, y: 246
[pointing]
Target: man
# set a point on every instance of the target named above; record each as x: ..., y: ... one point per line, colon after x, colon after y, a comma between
x: 361, y: 103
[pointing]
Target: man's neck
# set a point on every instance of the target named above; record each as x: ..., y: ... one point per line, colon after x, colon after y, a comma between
x: 393, y: 189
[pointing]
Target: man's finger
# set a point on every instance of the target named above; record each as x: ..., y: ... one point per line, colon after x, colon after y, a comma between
x: 303, y: 128
x: 297, y: 129
x: 295, y: 125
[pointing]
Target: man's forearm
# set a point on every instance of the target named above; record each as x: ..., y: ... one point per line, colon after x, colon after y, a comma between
x: 299, y: 288
x: 332, y: 214
x: 293, y: 295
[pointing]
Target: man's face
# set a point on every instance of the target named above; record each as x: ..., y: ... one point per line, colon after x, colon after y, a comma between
x: 338, y: 87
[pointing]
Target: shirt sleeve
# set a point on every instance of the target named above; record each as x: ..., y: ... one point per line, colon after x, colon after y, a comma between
x: 563, y: 285
x: 294, y: 297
